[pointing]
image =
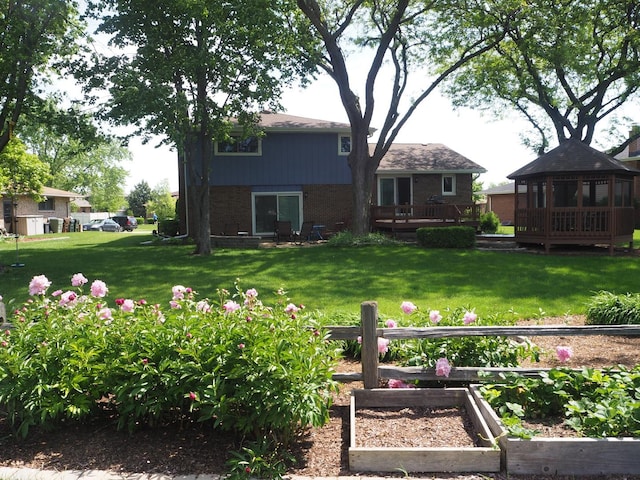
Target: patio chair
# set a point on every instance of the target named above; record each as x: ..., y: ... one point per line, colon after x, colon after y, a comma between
x: 282, y: 229
x: 304, y: 235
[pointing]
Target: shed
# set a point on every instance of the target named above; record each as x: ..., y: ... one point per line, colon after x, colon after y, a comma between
x: 576, y: 195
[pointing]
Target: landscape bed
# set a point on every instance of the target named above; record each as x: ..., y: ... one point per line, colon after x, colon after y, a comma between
x: 561, y: 455
x: 482, y: 458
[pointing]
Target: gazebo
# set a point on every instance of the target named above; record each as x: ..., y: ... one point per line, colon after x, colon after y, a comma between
x: 574, y: 195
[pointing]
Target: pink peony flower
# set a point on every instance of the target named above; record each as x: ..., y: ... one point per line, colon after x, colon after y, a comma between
x: 241, y: 346
x: 203, y: 307
x: 408, y: 307
x: 78, y: 280
x: 360, y: 339
x: 68, y: 299
x: 105, y: 314
x: 393, y: 383
x: 251, y: 293
x: 127, y: 305
x: 434, y: 316
x: 178, y: 292
x: 291, y: 308
x: 56, y: 293
x: 564, y: 353
x: 99, y: 289
x: 391, y: 323
x: 469, y: 317
x: 383, y: 345
x: 174, y: 304
x: 39, y: 285
x: 442, y: 367
x: 230, y: 306
x: 193, y: 396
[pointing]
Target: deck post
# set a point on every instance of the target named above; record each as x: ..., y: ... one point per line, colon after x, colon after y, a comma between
x: 369, y: 352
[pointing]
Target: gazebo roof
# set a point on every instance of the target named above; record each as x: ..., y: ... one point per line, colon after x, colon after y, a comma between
x: 573, y: 157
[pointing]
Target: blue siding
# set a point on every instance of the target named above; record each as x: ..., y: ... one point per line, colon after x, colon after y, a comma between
x: 287, y: 158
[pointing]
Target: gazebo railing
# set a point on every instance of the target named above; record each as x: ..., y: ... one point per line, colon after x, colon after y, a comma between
x: 572, y: 221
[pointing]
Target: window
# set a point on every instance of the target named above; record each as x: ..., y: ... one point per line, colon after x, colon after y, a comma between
x: 344, y: 144
x: 394, y: 191
x: 448, y: 185
x: 272, y: 206
x: 240, y: 146
x: 47, y: 204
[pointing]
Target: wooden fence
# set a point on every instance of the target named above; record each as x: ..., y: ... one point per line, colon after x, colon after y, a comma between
x: 372, y: 372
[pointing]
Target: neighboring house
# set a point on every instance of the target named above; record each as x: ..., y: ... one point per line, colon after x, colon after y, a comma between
x: 501, y: 201
x: 30, y: 214
x: 298, y: 171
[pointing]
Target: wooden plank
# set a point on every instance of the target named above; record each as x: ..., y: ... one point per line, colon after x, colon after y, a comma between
x: 479, y: 459
x: 457, y: 374
x: 402, y: 397
x: 532, y: 331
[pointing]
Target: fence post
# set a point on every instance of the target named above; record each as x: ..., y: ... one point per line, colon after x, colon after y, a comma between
x: 369, y: 352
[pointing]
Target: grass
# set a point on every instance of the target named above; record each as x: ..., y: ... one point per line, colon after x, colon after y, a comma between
x: 334, y: 280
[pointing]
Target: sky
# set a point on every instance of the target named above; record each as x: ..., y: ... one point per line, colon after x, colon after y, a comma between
x: 494, y: 145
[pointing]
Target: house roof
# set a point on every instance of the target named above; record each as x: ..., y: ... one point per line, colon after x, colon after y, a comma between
x: 574, y: 157
x: 291, y: 123
x: 54, y: 192
x: 420, y: 158
x: 504, y: 189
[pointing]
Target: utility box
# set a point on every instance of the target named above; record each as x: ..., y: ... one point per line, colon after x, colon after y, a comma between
x: 30, y: 225
x: 55, y: 225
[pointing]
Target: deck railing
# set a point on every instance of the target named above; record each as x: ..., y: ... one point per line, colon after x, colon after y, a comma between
x: 437, y: 213
x: 372, y: 372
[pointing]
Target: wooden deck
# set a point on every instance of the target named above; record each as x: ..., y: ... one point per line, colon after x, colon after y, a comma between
x: 408, y: 218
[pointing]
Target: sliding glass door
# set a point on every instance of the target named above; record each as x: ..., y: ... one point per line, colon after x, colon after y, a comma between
x: 272, y: 206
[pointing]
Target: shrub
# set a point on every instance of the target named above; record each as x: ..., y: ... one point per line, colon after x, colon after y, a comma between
x: 348, y: 239
x: 446, y: 237
x: 489, y: 222
x: 169, y: 227
x: 260, y: 371
x: 606, y: 308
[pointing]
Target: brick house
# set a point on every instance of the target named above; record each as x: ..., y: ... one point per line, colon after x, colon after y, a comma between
x: 298, y: 171
x: 55, y: 204
x: 501, y: 201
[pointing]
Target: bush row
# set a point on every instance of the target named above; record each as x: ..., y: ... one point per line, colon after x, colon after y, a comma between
x: 257, y: 370
x: 446, y: 237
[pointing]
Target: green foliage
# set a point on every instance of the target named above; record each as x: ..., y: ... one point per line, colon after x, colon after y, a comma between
x: 489, y: 222
x: 36, y: 39
x: 161, y: 202
x: 21, y: 173
x: 446, y: 237
x: 348, y: 239
x: 257, y: 370
x: 138, y: 199
x: 470, y: 351
x: 541, y: 67
x: 597, y: 403
x: 606, y: 308
x: 169, y: 227
x: 259, y: 459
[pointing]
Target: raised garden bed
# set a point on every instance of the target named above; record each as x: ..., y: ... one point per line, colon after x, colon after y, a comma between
x: 561, y: 455
x: 482, y: 455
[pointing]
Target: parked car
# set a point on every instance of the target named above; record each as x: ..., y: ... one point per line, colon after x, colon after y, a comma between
x: 127, y: 223
x: 103, y: 225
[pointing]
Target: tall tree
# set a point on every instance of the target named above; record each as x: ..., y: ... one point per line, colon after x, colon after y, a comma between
x: 405, y: 34
x: 33, y: 36
x: 79, y: 157
x: 190, y: 66
x: 138, y: 199
x: 565, y: 65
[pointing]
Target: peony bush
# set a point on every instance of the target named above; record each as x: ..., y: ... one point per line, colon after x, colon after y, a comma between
x: 258, y: 370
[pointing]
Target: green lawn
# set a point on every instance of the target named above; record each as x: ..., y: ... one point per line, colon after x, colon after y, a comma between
x: 329, y: 279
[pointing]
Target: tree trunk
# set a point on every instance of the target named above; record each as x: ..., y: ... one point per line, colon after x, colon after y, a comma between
x: 198, y: 155
x: 363, y: 168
